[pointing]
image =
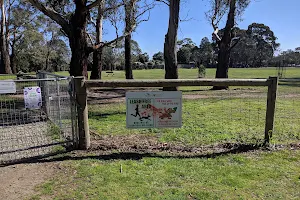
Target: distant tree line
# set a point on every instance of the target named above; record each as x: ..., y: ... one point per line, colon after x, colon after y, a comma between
x: 57, y: 35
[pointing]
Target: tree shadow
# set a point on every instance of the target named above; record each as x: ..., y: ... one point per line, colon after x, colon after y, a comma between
x: 97, y: 115
x: 241, y: 148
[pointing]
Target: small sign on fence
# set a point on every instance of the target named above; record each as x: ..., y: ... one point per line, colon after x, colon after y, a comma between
x: 154, y: 109
x: 32, y: 97
x: 8, y: 87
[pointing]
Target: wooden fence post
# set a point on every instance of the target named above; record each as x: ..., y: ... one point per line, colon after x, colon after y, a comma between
x: 82, y: 113
x: 271, y: 105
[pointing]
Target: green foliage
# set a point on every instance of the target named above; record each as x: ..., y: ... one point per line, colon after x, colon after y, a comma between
x: 185, y: 51
x: 253, y: 47
x: 201, y: 71
x: 158, y: 57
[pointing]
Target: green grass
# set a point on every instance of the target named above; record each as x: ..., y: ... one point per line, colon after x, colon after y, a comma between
x: 8, y: 77
x: 209, y: 121
x: 260, y: 175
x: 210, y: 73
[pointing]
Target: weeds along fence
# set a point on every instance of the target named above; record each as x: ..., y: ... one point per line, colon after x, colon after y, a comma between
x: 31, y: 129
x: 245, y: 113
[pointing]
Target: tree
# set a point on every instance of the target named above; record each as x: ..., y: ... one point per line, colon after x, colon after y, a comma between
x: 109, y: 10
x: 206, y: 52
x: 170, y: 54
x: 255, y: 48
x: 185, y: 51
x: 97, y: 54
x: 265, y: 42
x: 143, y: 58
x: 74, y: 24
x: 130, y: 9
x: 158, y: 56
x: 134, y: 10
x: 225, y: 44
x: 5, y: 34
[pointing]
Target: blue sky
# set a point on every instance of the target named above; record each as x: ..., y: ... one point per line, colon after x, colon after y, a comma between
x: 280, y: 15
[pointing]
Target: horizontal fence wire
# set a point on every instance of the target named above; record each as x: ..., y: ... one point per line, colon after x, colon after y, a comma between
x: 35, y: 132
x: 287, y: 116
x: 209, y: 117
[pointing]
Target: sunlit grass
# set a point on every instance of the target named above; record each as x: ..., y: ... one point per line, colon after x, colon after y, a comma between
x: 262, y: 175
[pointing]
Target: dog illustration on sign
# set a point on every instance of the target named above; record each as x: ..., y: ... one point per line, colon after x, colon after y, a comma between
x: 137, y: 113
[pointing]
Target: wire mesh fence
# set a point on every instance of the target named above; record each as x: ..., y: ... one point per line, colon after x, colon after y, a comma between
x: 36, y: 119
x: 287, y: 116
x: 210, y: 118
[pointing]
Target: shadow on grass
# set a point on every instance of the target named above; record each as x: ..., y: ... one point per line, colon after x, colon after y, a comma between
x: 240, y: 148
x: 97, y: 115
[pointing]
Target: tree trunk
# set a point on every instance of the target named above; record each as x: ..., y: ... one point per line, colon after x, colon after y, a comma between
x: 13, y: 65
x: 78, y: 42
x: 128, y: 64
x: 129, y: 22
x: 97, y: 54
x: 224, y: 47
x: 97, y: 64
x: 4, y: 44
x: 170, y: 55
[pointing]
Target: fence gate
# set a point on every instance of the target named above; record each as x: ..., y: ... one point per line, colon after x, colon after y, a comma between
x: 37, y: 117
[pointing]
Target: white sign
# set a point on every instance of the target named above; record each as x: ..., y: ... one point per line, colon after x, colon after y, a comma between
x: 32, y: 97
x: 154, y: 109
x: 8, y: 87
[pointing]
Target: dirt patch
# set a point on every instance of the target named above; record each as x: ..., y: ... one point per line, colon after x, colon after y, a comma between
x: 19, y: 181
x: 150, y: 144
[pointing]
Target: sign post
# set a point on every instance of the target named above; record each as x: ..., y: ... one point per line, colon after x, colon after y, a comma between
x: 154, y: 109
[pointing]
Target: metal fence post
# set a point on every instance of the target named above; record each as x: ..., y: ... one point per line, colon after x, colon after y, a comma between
x: 271, y: 105
x: 58, y: 101
x: 82, y: 113
x: 44, y: 89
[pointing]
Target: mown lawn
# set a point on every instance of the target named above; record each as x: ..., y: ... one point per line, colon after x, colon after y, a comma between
x: 254, y: 175
x: 210, y: 73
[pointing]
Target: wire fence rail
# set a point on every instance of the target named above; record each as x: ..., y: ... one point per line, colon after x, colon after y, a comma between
x: 82, y: 85
x: 32, y: 127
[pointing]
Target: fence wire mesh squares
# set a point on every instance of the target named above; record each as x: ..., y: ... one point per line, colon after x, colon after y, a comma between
x: 31, y: 130
x: 208, y: 117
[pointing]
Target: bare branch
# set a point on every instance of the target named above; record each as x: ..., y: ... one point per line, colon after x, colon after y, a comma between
x: 97, y: 3
x: 52, y: 14
x: 113, y: 7
x: 186, y: 18
x: 236, y: 42
x: 90, y: 38
x: 215, y: 17
x: 164, y: 1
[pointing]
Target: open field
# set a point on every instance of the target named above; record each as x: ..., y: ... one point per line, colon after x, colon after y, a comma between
x: 215, y: 155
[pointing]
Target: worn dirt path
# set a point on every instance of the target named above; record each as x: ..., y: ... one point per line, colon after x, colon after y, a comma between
x: 19, y: 181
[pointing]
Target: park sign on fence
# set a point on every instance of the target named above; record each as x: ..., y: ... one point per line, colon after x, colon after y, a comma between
x: 154, y: 109
x: 32, y: 97
x: 8, y: 87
